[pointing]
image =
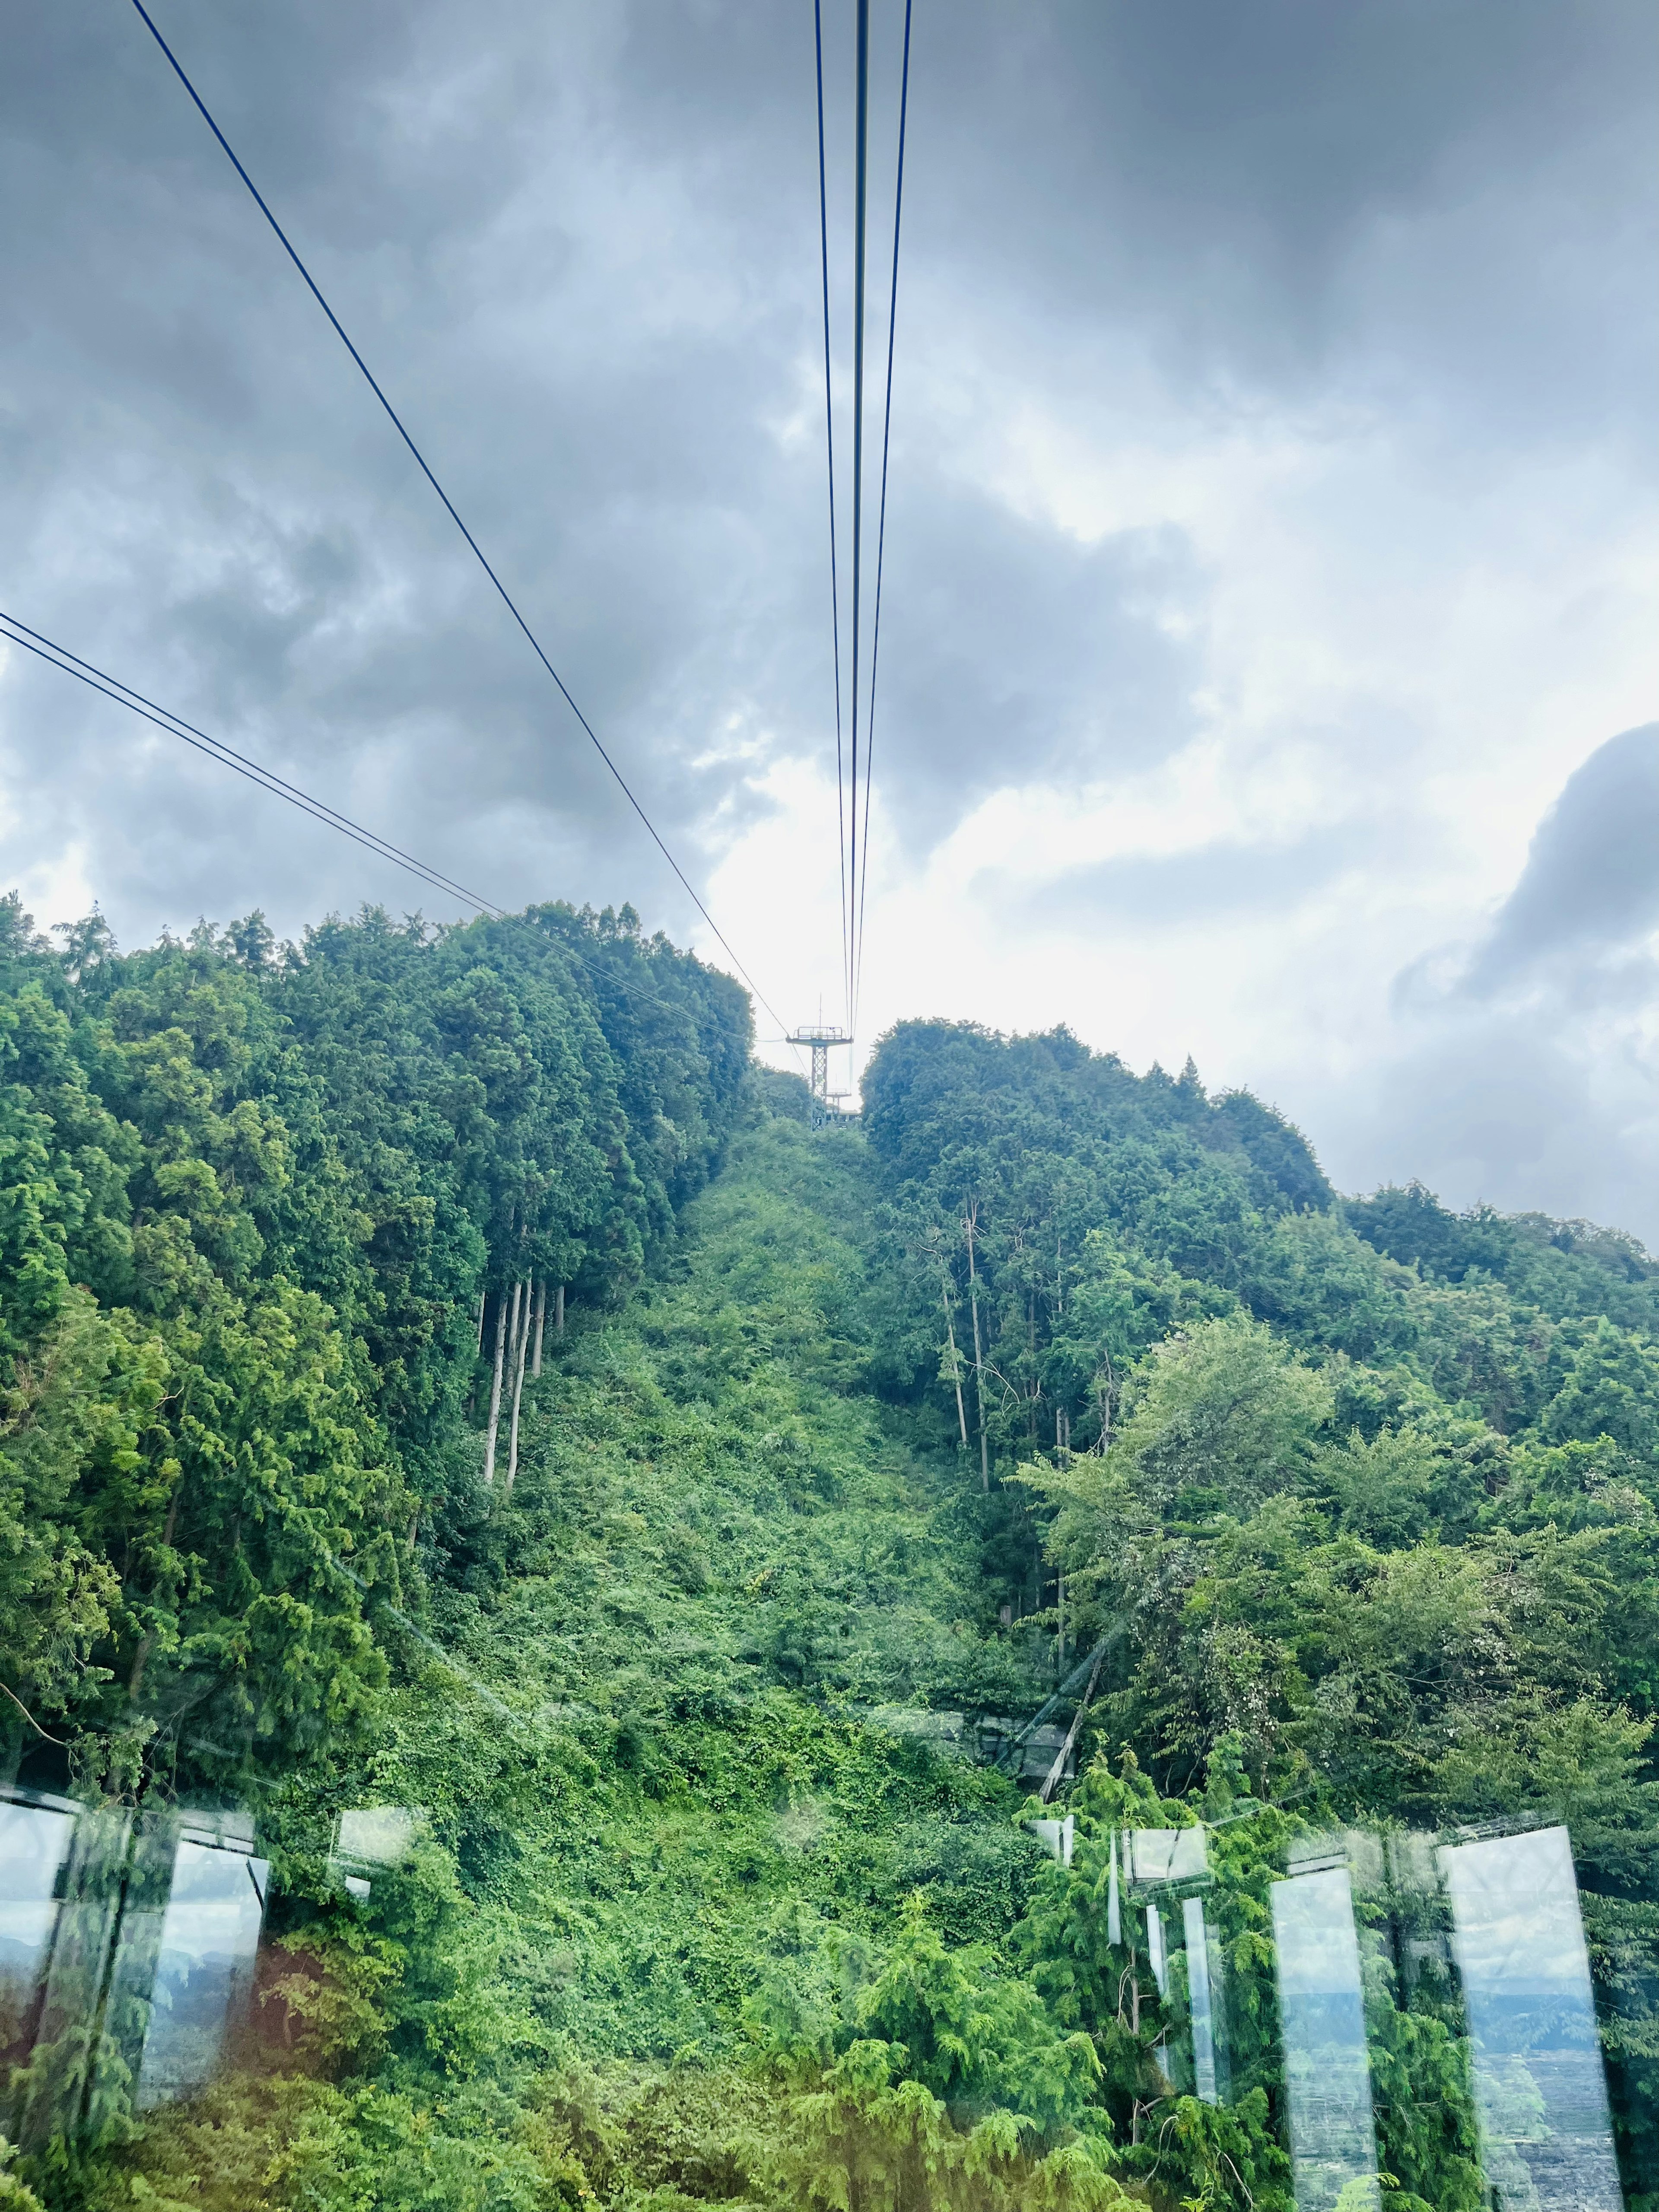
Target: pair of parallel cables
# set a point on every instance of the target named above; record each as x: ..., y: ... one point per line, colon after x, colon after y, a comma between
x: 854, y: 789
x: 14, y: 632
x: 17, y: 633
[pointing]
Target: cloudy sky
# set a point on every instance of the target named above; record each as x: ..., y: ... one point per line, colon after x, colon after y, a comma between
x: 1270, y: 667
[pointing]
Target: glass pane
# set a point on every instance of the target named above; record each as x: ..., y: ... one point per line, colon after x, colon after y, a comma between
x: 34, y: 1842
x: 1541, y: 2092
x: 70, y: 2083
x: 1328, y: 2082
x: 120, y: 1987
x: 1199, y: 2007
x: 203, y: 1967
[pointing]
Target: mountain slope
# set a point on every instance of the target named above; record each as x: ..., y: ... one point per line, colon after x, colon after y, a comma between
x: 1351, y: 1509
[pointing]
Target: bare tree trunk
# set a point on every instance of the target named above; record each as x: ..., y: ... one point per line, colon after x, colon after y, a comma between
x: 1036, y: 1386
x: 956, y: 1366
x: 495, y: 1382
x: 558, y: 1310
x: 541, y: 1316
x: 472, y: 1393
x: 520, y: 1350
x: 1103, y: 1392
x: 978, y: 1357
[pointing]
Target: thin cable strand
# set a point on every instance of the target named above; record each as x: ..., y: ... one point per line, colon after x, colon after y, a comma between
x: 264, y: 779
x: 95, y: 681
x: 834, y: 583
x: 881, y: 530
x: 189, y: 731
x: 861, y: 170
x: 420, y: 459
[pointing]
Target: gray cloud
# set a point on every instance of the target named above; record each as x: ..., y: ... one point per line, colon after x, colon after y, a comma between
x: 1526, y: 1076
x: 1024, y: 655
x: 1591, y: 882
x: 1241, y: 182
x: 579, y: 244
x: 1515, y: 1110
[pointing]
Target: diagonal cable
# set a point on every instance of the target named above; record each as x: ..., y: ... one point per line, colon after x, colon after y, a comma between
x: 835, y: 581
x: 175, y: 725
x: 263, y: 779
x: 881, y: 529
x: 397, y: 423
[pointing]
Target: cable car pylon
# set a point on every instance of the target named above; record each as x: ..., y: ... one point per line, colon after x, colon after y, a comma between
x: 820, y: 1038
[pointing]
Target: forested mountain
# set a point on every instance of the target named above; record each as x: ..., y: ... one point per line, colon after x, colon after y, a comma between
x: 1261, y: 1404
x: 443, y: 1372
x: 252, y: 1203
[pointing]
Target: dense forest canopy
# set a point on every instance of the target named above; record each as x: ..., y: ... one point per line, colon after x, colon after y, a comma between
x: 253, y: 1199
x: 442, y: 1370
x: 1260, y: 1403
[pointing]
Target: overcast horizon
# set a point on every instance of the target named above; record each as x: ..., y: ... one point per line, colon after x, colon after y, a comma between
x: 1270, y: 672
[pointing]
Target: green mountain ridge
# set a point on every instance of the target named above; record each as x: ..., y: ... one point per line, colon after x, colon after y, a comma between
x: 841, y: 1428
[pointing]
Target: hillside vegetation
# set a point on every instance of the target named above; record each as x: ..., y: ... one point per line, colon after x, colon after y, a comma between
x: 841, y: 1439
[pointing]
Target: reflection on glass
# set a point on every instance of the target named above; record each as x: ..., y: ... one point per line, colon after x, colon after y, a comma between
x: 1328, y: 2083
x: 1155, y: 1953
x: 1057, y: 1838
x: 379, y: 1835
x: 137, y: 1946
x: 1540, y: 2091
x: 125, y: 1942
x: 205, y: 1949
x: 74, y: 2079
x: 383, y: 1836
x: 1199, y: 2005
x: 1163, y: 1855
x: 34, y: 1842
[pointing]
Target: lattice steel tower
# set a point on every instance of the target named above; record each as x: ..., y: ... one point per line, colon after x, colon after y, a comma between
x: 820, y: 1039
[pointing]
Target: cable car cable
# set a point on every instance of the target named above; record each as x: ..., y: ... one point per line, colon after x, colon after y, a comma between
x: 263, y: 779
x: 881, y: 530
x: 835, y: 580
x: 861, y: 172
x: 396, y: 422
x: 176, y: 725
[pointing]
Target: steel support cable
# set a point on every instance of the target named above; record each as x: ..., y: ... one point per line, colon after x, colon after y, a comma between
x: 835, y: 580
x: 263, y: 779
x: 881, y: 527
x: 177, y: 726
x: 861, y: 175
x: 420, y: 459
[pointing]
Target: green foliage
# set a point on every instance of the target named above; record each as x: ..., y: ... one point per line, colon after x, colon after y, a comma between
x: 248, y: 1203
x: 846, y: 1435
x: 937, y: 2079
x: 1564, y: 1267
x: 977, y: 2038
x: 1217, y: 2155
x: 864, y: 2140
x: 14, y: 2196
x: 1362, y: 1499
